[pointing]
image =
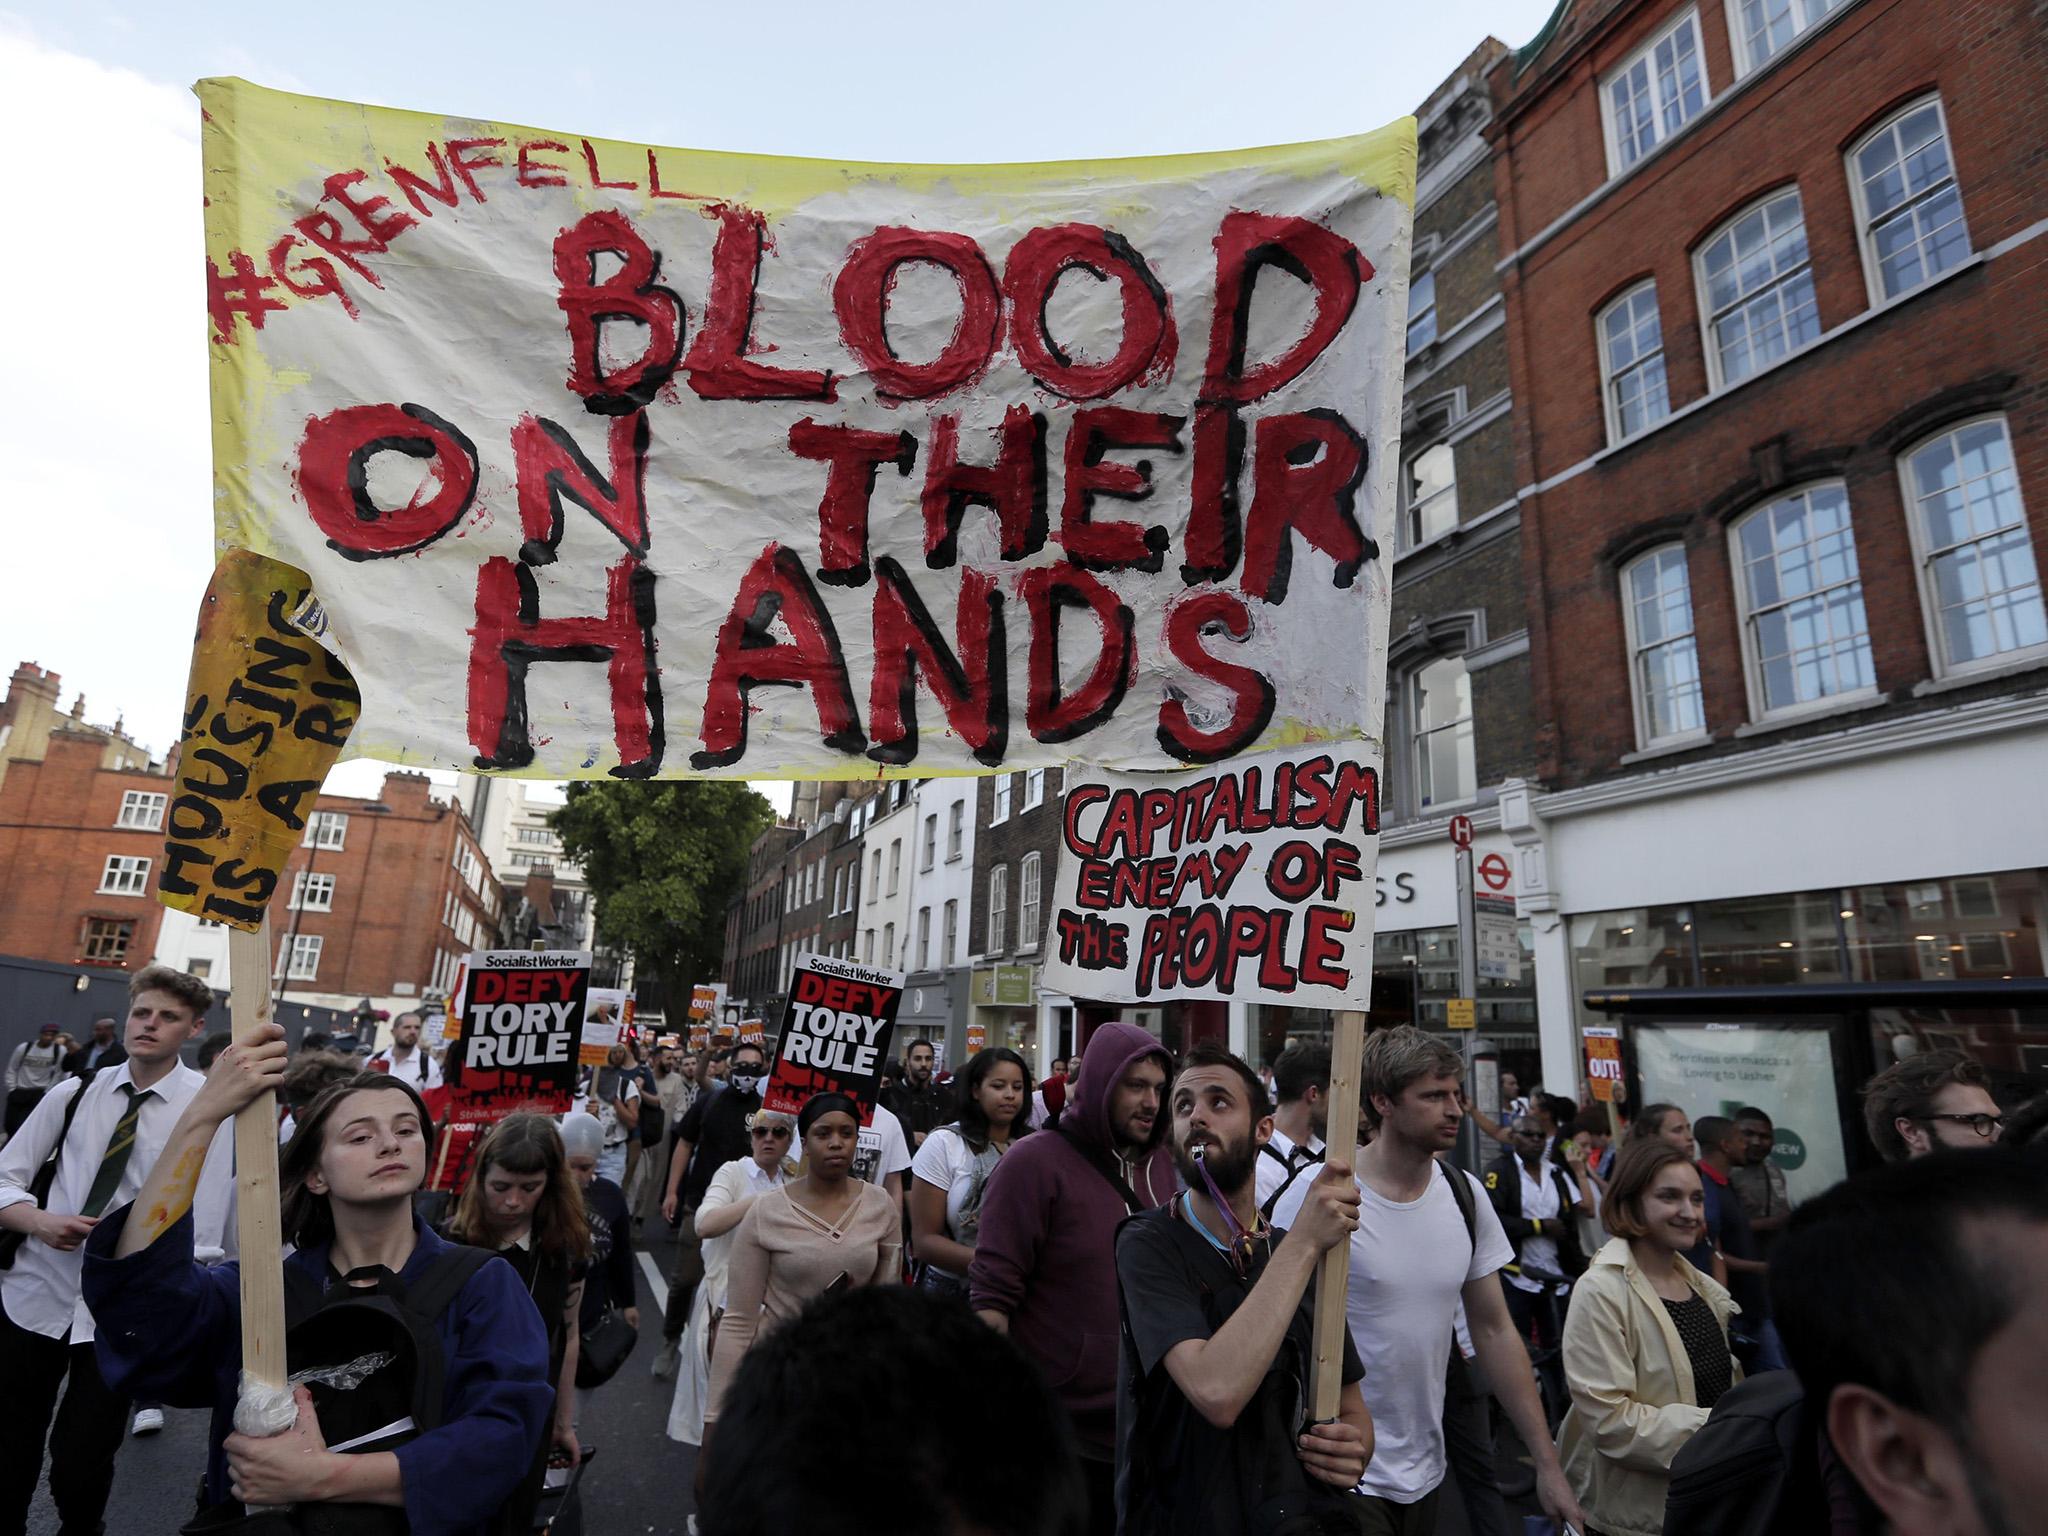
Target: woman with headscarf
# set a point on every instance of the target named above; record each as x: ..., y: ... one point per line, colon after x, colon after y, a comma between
x: 732, y: 1193
x: 816, y: 1234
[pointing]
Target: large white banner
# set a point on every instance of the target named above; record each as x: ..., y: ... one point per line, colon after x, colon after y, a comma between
x: 607, y: 458
x: 1252, y: 880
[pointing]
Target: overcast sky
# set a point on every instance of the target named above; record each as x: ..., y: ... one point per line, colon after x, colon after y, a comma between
x: 103, y: 421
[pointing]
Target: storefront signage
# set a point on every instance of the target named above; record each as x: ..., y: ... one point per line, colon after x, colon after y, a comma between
x: 1006, y: 986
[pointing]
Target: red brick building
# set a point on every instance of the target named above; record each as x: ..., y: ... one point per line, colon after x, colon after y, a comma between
x: 81, y: 847
x: 381, y: 900
x: 1777, y: 311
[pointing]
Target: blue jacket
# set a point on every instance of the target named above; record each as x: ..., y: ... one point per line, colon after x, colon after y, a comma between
x: 170, y: 1329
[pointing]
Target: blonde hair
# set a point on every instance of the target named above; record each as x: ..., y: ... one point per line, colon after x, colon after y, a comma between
x: 1394, y: 1058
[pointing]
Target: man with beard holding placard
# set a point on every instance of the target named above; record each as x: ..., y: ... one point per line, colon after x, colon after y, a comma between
x: 1219, y: 1332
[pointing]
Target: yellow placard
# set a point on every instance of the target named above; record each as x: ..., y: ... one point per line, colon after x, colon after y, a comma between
x: 267, y: 711
x: 1461, y: 1013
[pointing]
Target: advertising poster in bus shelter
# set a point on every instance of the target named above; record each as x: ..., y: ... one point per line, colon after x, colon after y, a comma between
x: 1252, y: 879
x: 836, y: 1030
x: 1789, y: 1073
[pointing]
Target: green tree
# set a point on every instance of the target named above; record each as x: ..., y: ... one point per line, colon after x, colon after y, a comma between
x: 664, y: 860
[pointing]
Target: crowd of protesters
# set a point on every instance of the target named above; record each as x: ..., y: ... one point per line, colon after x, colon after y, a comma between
x: 1084, y: 1304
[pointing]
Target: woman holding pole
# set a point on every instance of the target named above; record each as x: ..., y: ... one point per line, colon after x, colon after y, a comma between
x: 170, y: 1328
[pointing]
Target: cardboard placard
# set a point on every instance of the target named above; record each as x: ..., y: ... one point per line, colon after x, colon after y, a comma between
x: 1603, y: 1060
x: 521, y: 1022
x: 836, y: 1031
x: 1250, y: 880
x: 267, y: 712
x: 607, y: 1017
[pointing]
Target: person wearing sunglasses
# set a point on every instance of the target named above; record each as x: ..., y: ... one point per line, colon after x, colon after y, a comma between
x: 1931, y: 1100
x: 727, y: 1199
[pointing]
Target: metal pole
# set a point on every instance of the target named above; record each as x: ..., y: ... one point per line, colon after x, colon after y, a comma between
x: 1468, y: 987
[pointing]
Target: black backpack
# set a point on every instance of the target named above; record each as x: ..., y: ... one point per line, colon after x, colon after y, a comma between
x: 371, y: 1357
x: 1752, y: 1469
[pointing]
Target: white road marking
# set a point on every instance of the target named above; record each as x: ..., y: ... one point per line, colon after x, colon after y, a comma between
x: 655, y: 1282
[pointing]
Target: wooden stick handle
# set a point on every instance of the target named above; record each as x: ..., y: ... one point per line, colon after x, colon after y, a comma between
x: 1333, y: 1273
x: 257, y: 1218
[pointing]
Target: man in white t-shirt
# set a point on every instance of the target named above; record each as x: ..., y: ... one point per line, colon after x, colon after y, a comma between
x: 1423, y: 1244
x: 1300, y: 1116
x: 882, y: 1154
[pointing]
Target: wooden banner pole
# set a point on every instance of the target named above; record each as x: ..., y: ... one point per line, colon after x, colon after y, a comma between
x: 257, y: 1217
x: 1333, y: 1277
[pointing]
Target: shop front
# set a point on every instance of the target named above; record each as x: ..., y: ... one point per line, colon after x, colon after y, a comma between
x: 1003, y: 1010
x: 1415, y: 960
x: 933, y: 1010
x: 1892, y: 863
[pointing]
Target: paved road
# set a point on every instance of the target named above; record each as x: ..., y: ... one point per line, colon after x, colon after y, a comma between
x: 638, y: 1484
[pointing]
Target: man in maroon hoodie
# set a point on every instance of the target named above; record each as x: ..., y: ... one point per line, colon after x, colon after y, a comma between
x: 1044, y: 1268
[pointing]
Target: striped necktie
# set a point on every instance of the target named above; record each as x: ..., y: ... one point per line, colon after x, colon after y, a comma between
x: 120, y: 1145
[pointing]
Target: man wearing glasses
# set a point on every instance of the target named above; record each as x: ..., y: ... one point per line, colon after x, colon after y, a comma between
x: 1929, y: 1101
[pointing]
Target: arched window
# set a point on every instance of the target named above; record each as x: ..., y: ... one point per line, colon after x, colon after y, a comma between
x: 1027, y: 902
x: 998, y: 907
x: 1756, y: 288
x: 1664, y: 665
x: 1805, y: 637
x: 1978, y: 579
x: 1632, y: 362
x: 1909, y: 211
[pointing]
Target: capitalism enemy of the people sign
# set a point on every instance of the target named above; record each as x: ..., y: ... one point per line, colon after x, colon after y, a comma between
x: 1250, y: 880
x: 606, y: 458
x: 835, y: 1034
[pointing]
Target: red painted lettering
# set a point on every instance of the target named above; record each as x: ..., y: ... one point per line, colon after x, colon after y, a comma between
x: 718, y: 366
x: 861, y: 298
x: 745, y: 657
x: 334, y: 466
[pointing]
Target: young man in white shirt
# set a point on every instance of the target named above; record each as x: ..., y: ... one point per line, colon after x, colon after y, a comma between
x: 405, y: 1058
x: 33, y: 1070
x: 123, y: 1117
x: 1415, y: 1254
x: 1300, y: 1116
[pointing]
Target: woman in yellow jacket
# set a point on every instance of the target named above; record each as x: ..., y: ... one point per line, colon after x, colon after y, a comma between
x: 1645, y: 1344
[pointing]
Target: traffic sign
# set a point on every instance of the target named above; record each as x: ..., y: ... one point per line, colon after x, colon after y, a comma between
x: 1461, y: 831
x: 1495, y: 871
x: 1461, y: 1013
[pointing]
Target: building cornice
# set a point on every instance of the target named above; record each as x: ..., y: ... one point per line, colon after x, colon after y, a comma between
x: 1887, y: 738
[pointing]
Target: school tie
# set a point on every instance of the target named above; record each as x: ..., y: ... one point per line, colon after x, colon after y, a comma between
x: 120, y: 1145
